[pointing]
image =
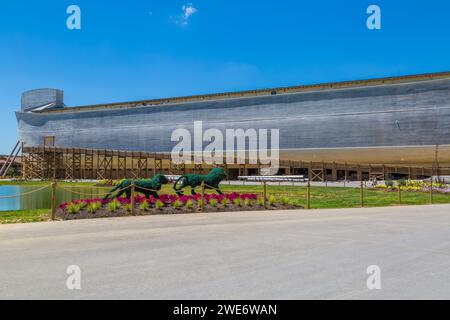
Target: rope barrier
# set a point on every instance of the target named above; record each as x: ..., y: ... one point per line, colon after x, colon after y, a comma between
x: 206, y: 186
x: 211, y: 187
x: 90, y: 194
x: 82, y: 193
x: 25, y: 193
x: 145, y: 189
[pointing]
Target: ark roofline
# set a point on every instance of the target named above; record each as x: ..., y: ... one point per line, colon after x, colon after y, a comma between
x: 257, y: 93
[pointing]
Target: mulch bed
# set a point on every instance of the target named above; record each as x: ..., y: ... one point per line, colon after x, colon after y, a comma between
x: 105, y: 213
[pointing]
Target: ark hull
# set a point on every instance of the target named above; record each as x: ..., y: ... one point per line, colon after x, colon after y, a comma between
x: 391, y: 123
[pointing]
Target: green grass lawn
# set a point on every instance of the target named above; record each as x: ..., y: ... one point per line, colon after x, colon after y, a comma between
x: 24, y: 216
x: 321, y: 197
x: 339, y: 197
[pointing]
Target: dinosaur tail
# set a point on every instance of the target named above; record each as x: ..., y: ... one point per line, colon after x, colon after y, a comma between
x: 112, y: 191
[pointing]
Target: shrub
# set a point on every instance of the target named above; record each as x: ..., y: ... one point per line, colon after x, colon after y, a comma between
x: 144, y: 205
x: 296, y: 203
x: 11, y: 172
x: 271, y: 200
x: 189, y: 204
x: 213, y: 202
x: 82, y: 204
x: 93, y: 207
x: 177, y: 204
x: 261, y: 201
x: 439, y: 185
x: 238, y: 202
x: 73, y: 208
x: 284, y: 200
x: 248, y: 202
x: 224, y: 202
x: 104, y: 182
x: 389, y: 183
x: 415, y: 184
x: 113, y: 206
x: 159, y: 204
x: 200, y: 202
x: 401, y: 183
x: 127, y: 207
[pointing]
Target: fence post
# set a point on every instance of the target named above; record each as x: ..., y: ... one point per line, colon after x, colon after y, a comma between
x: 53, y: 199
x: 399, y: 193
x: 202, y: 203
x: 132, y: 197
x: 361, y: 197
x: 308, y: 194
x: 345, y: 175
x: 431, y: 190
x: 265, y: 194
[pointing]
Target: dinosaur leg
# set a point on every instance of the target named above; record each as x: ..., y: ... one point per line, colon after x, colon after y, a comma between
x: 146, y: 193
x: 193, y: 191
x: 216, y: 188
x: 154, y: 194
x: 128, y: 193
x: 143, y: 191
x: 118, y: 194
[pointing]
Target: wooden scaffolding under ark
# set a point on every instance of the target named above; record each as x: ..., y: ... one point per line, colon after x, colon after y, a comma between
x: 76, y: 164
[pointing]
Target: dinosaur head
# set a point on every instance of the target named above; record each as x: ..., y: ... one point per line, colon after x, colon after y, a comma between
x: 218, y: 173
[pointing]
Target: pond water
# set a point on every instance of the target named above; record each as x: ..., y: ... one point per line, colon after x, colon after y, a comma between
x: 42, y: 199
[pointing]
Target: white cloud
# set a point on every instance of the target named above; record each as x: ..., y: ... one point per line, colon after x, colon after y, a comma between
x: 188, y: 11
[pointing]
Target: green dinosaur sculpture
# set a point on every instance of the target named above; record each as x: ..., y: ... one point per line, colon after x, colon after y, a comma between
x: 212, y: 181
x: 141, y: 185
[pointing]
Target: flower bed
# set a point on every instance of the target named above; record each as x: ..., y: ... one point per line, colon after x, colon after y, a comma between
x: 168, y: 204
x: 413, y: 186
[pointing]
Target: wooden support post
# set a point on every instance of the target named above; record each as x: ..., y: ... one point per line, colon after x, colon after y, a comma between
x: 22, y: 159
x: 53, y: 199
x: 132, y: 197
x: 202, y: 203
x: 359, y: 173
x: 265, y: 194
x: 308, y: 194
x: 361, y: 196
x: 345, y: 174
x: 334, y: 172
x: 310, y: 171
x: 324, y: 172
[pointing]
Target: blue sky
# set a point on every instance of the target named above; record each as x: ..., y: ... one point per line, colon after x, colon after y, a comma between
x: 130, y: 50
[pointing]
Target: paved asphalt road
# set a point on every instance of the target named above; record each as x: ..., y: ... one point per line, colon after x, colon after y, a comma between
x: 283, y: 255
